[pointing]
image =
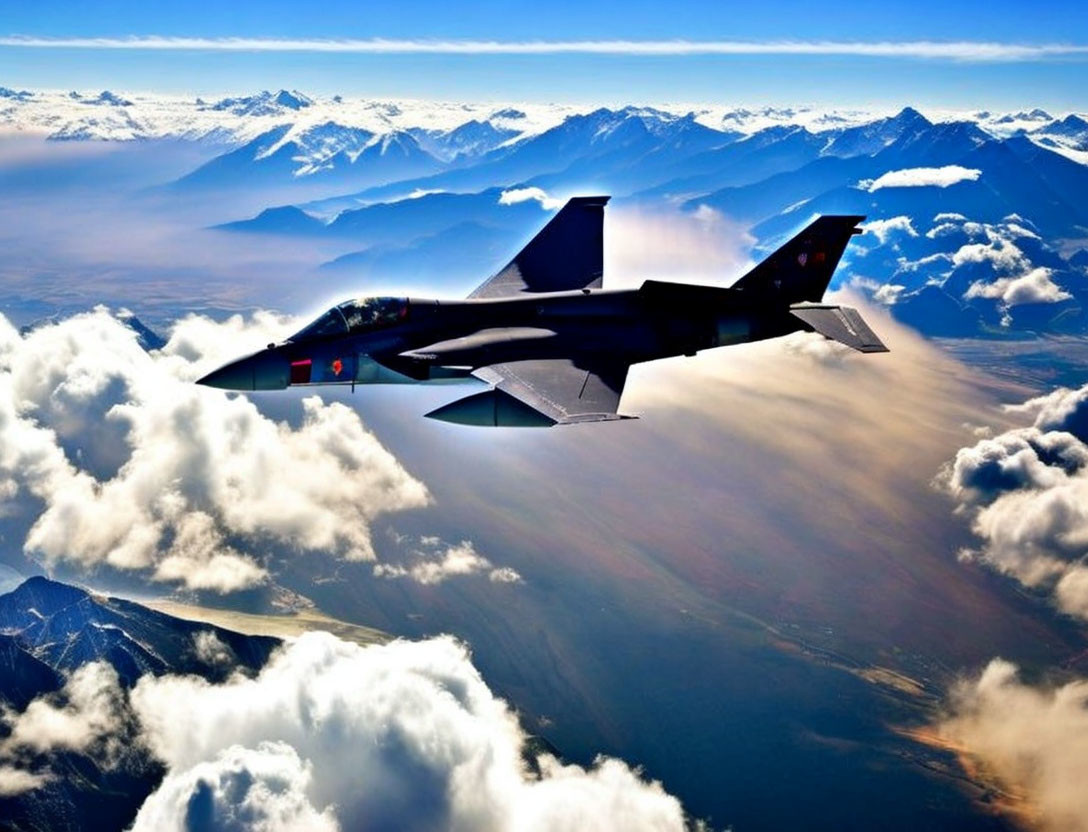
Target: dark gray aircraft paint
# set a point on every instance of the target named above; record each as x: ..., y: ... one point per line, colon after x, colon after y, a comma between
x: 553, y: 346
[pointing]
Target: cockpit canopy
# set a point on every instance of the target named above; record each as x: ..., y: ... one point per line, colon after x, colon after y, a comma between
x: 356, y: 316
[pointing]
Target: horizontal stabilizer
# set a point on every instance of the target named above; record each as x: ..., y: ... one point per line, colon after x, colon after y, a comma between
x: 839, y: 323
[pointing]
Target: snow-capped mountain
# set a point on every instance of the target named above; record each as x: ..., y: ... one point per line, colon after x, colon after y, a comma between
x: 18, y: 95
x: 472, y: 139
x: 308, y: 154
x: 263, y: 103
x: 615, y: 149
x: 1036, y: 116
x: 243, y: 117
x: 1067, y: 136
x: 234, y: 120
x: 104, y: 98
x: 874, y: 136
x: 1072, y: 128
x: 325, y: 138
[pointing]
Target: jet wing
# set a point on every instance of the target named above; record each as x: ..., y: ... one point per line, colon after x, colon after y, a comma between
x: 567, y: 254
x: 560, y: 389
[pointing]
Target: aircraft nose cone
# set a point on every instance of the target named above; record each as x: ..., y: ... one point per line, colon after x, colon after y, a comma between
x: 234, y: 376
x: 265, y: 370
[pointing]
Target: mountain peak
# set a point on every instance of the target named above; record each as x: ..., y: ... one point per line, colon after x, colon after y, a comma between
x: 1071, y: 127
x: 110, y: 99
x: 1036, y: 114
x: 41, y: 594
x: 147, y: 337
x: 66, y: 627
x: 910, y: 115
x: 293, y: 99
x: 1073, y: 120
x: 263, y: 103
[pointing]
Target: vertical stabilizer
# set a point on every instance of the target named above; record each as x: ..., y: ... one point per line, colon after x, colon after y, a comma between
x: 567, y: 254
x: 801, y: 269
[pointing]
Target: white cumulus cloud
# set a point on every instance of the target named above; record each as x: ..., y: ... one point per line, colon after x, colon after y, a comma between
x: 88, y: 715
x: 212, y: 650
x: 515, y: 195
x: 1010, y: 275
x: 261, y: 789
x: 405, y: 735
x: 883, y: 229
x: 889, y: 293
x: 435, y: 562
x: 921, y: 177
x: 999, y: 252
x: 86, y: 711
x: 1027, y: 492
x: 136, y: 467
x: 1036, y: 286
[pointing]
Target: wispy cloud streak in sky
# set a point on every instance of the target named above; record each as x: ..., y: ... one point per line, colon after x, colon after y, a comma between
x: 978, y: 51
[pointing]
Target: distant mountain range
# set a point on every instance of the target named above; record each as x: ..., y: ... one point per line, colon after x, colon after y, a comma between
x: 112, y: 116
x: 966, y: 227
x: 48, y: 630
x: 328, y: 151
x: 411, y: 189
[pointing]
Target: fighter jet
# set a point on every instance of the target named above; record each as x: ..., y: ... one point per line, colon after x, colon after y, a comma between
x: 552, y: 345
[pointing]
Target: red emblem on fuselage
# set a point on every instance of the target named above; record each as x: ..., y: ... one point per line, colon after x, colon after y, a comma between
x: 337, y: 366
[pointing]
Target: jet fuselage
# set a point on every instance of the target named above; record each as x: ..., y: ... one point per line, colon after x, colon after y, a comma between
x: 440, y: 340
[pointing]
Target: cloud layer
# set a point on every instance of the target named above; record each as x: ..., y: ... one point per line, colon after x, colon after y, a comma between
x: 987, y: 260
x: 331, y: 735
x: 1027, y: 492
x: 1035, y: 739
x: 931, y: 50
x: 134, y: 466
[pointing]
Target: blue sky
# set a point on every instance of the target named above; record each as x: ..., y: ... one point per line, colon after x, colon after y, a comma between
x: 958, y: 76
